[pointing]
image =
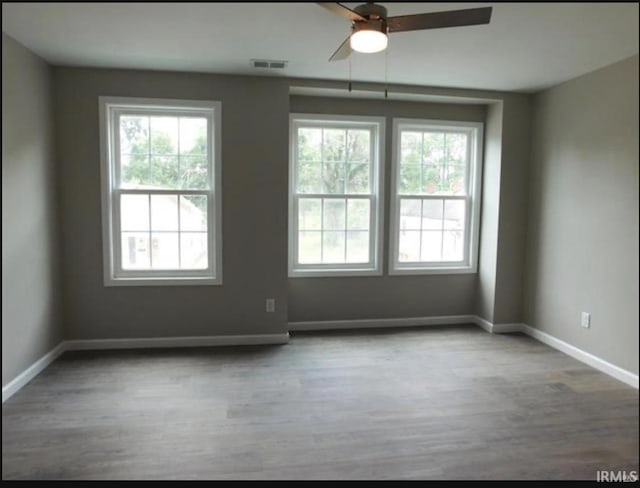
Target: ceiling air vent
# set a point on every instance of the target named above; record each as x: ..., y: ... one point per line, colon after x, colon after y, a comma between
x: 268, y: 63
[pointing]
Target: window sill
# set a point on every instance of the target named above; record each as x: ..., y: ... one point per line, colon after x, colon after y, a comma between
x: 434, y: 271
x: 333, y: 273
x: 173, y: 281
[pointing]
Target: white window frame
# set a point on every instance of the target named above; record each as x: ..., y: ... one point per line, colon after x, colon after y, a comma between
x: 474, y: 177
x: 376, y: 222
x: 109, y: 109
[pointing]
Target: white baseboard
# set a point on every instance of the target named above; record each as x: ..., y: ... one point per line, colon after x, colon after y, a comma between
x: 138, y: 343
x: 376, y: 323
x: 195, y: 341
x: 31, y: 372
x: 506, y: 328
x: 480, y: 322
x: 617, y: 372
x: 496, y: 328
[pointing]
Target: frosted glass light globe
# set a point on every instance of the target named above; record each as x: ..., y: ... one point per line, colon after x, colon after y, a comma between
x: 368, y: 41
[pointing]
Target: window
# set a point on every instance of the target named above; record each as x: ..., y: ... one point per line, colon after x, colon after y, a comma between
x: 335, y: 195
x: 435, y: 196
x: 161, y: 191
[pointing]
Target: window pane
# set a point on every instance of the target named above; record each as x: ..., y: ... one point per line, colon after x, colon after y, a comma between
x: 193, y: 135
x: 164, y: 212
x: 309, y: 247
x: 432, y: 214
x: 409, y: 246
x: 358, y: 247
x: 134, y: 212
x: 164, y: 135
x: 164, y: 171
x: 309, y: 180
x: 358, y: 178
x: 409, y: 178
x: 333, y: 162
x: 456, y: 148
x: 453, y: 246
x: 454, y: 181
x: 431, y: 245
x: 358, y: 146
x: 410, y: 147
x: 193, y: 250
x: 431, y: 179
x: 164, y: 250
x: 358, y: 214
x: 135, y: 250
x: 135, y: 170
x: 194, y: 172
x: 454, y: 213
x: 433, y: 147
x: 309, y: 214
x: 409, y: 214
x: 193, y: 212
x: 334, y: 214
x: 134, y: 134
x: 333, y: 247
x: 309, y: 144
x: 333, y: 147
x: 159, y: 148
x: 333, y: 178
x: 432, y: 184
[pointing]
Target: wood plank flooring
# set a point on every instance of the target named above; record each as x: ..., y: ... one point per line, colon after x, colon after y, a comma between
x: 416, y: 403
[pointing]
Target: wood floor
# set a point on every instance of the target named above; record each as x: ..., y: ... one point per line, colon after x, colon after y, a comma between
x: 452, y: 402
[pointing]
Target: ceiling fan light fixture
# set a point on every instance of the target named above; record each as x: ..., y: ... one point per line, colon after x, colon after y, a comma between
x: 370, y: 24
x: 367, y: 38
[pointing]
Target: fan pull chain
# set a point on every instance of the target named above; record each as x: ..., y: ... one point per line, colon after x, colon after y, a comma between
x: 349, y: 73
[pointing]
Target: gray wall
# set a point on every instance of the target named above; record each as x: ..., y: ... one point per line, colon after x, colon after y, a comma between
x: 485, y: 293
x: 343, y: 298
x: 504, y: 210
x: 583, y: 226
x: 31, y: 323
x: 255, y: 166
x: 515, y: 161
x: 255, y: 115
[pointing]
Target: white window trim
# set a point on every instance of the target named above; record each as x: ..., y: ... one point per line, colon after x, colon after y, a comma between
x: 110, y: 210
x: 374, y: 268
x: 472, y: 230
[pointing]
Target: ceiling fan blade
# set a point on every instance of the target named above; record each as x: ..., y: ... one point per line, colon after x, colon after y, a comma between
x: 343, y: 52
x: 438, y: 20
x: 342, y: 11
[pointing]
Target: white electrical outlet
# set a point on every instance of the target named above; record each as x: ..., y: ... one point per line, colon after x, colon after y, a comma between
x: 271, y: 304
x: 586, y: 320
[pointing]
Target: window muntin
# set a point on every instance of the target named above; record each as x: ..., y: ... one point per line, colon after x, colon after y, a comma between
x: 162, y: 191
x: 335, y: 195
x: 435, y: 196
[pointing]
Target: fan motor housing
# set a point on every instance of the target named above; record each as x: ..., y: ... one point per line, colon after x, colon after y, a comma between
x: 372, y: 24
x: 372, y: 11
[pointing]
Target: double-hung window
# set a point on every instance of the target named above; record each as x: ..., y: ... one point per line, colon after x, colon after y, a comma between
x: 161, y: 191
x: 435, y: 196
x: 335, y: 195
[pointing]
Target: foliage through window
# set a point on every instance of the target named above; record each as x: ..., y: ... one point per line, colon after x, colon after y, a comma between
x: 435, y: 196
x: 162, y: 223
x: 334, y: 195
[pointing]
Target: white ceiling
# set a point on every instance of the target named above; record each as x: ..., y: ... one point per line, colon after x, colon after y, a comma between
x: 526, y: 47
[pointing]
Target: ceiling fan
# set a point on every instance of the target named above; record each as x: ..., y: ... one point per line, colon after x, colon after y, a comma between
x: 370, y: 25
